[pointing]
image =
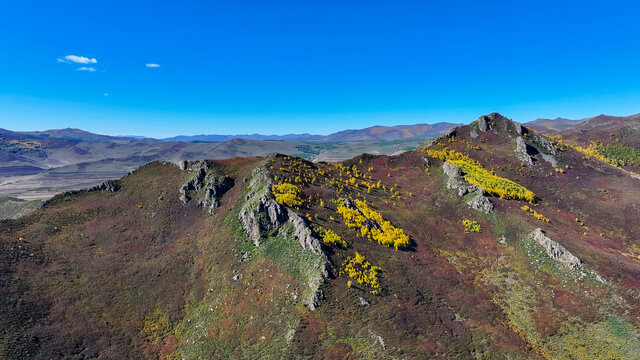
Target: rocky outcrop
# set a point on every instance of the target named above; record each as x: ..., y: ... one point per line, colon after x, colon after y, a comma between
x: 315, y: 300
x: 483, y: 123
x: 556, y: 251
x: 195, y: 183
x: 544, y: 143
x: 261, y: 217
x: 192, y: 165
x: 261, y: 214
x: 481, y: 202
x: 107, y: 185
x: 499, y: 122
x: 304, y: 234
x: 560, y: 254
x: 522, y: 151
x: 455, y: 180
x: 550, y: 159
x: 308, y: 241
x: 215, y: 187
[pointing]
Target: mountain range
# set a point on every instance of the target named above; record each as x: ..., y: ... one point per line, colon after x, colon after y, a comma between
x: 374, y: 133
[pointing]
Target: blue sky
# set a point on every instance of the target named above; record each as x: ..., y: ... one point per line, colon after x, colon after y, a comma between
x: 278, y: 67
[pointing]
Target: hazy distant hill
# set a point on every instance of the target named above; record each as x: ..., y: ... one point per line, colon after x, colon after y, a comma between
x: 78, y: 134
x: 602, y: 122
x: 374, y: 133
x: 551, y: 125
x: 601, y: 128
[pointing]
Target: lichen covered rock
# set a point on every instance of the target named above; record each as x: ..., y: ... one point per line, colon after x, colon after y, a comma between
x: 556, y: 251
x: 455, y: 180
x: 481, y: 202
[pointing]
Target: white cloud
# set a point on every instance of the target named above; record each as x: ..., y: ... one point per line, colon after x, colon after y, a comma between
x: 152, y: 65
x: 84, y: 68
x: 78, y: 60
x: 106, y: 94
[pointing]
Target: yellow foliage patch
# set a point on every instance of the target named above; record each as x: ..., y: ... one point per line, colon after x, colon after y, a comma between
x: 361, y: 270
x: 287, y: 194
x: 487, y: 180
x: 156, y: 325
x: 534, y: 213
x: 471, y: 226
x: 387, y: 235
x: 330, y: 237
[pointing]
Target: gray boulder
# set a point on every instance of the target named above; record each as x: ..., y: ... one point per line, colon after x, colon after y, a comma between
x: 363, y: 302
x: 481, y: 202
x: 556, y: 251
x: 455, y: 180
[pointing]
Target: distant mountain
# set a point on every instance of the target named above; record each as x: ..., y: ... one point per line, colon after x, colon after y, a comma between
x: 393, y: 133
x: 374, y: 133
x: 601, y: 128
x: 77, y: 134
x: 602, y: 122
x: 551, y: 125
x: 220, y: 138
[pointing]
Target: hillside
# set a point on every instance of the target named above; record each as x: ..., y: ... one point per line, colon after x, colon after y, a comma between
x: 492, y: 241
